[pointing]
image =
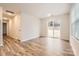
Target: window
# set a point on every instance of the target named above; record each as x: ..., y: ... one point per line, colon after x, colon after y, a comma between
x: 75, y: 29
x: 75, y: 23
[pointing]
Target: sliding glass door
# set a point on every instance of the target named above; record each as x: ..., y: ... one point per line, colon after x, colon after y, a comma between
x: 54, y: 28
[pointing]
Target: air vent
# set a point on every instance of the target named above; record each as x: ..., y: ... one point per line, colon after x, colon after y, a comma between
x: 9, y: 11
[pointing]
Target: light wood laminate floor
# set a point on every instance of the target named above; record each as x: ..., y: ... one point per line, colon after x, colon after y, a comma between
x: 42, y: 46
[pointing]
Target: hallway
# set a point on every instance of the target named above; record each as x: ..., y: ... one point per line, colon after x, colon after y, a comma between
x: 36, y: 47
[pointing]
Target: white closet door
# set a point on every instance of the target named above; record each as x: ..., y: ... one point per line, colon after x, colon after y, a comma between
x: 1, y: 31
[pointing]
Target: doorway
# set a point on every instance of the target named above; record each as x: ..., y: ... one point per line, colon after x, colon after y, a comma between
x: 4, y: 29
x: 54, y: 28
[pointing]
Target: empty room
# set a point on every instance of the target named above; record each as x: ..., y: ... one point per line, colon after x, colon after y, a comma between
x: 39, y: 29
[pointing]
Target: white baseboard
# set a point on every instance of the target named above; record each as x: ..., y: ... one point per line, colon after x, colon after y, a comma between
x: 30, y: 38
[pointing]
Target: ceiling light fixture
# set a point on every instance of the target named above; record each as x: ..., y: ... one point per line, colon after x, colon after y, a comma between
x: 49, y: 15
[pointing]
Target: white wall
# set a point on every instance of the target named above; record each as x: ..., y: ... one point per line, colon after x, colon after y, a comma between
x: 14, y: 27
x: 64, y: 30
x: 43, y: 27
x: 24, y: 28
x: 30, y: 27
x: 1, y: 31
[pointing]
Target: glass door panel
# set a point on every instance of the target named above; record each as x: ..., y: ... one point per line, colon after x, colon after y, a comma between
x: 54, y: 28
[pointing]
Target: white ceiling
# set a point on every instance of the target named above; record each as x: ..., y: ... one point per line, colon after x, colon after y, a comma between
x: 39, y: 10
